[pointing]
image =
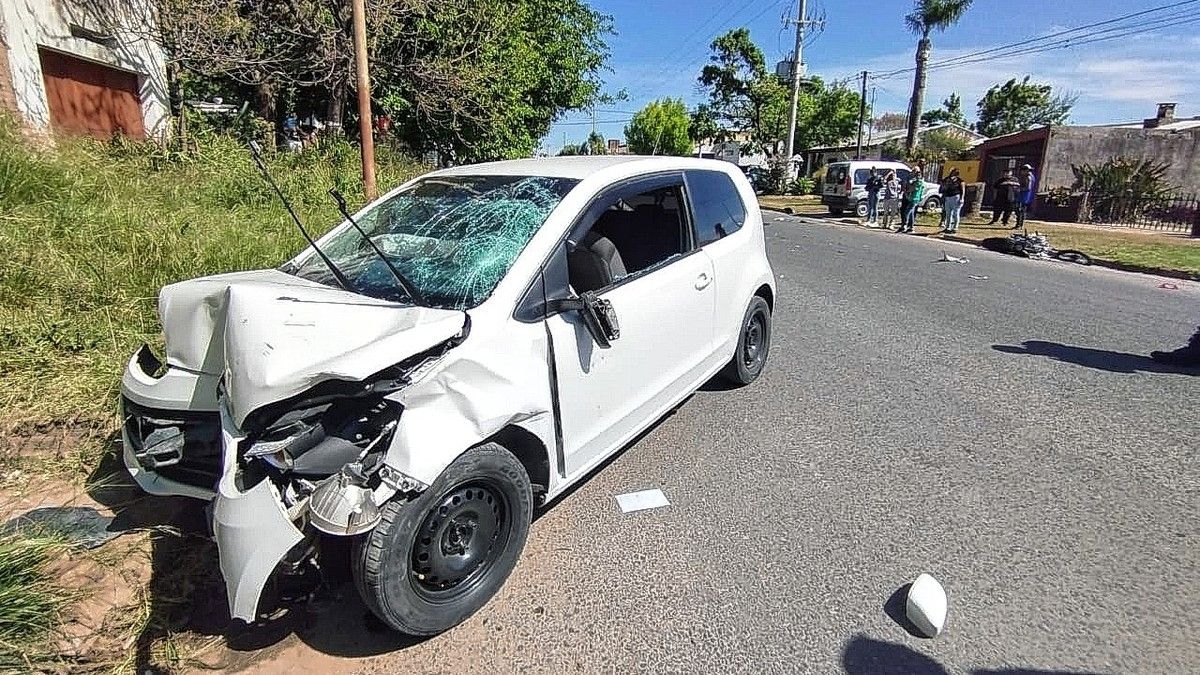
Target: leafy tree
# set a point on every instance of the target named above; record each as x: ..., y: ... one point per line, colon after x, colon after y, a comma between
x: 595, y: 144
x: 926, y: 17
x: 1018, y: 106
x: 890, y: 121
x: 703, y: 124
x: 742, y: 94
x: 471, y: 79
x: 940, y: 145
x: 661, y: 128
x: 951, y: 111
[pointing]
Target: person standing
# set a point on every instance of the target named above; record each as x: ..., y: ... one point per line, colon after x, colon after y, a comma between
x: 1028, y: 183
x: 891, y: 198
x: 874, y: 185
x: 914, y: 192
x: 1005, y: 197
x: 952, y: 194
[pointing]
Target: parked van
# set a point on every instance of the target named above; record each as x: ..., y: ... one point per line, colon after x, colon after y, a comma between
x: 845, y: 186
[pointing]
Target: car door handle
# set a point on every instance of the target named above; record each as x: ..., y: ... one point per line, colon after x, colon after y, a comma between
x: 703, y: 281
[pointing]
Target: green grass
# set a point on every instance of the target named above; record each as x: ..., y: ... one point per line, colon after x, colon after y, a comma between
x: 30, y: 601
x: 90, y: 231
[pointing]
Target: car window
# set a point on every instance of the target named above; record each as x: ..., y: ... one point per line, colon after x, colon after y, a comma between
x: 717, y: 207
x: 836, y: 174
x: 452, y: 237
x: 634, y: 233
x: 861, y: 176
x: 903, y: 175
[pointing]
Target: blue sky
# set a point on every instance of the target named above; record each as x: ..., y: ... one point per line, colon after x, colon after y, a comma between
x: 661, y: 45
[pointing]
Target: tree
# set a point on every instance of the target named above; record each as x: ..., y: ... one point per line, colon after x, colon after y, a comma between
x: 951, y: 111
x: 661, y: 128
x: 703, y: 124
x: 471, y: 79
x: 745, y: 97
x: 595, y: 144
x: 1017, y: 106
x: 890, y: 121
x: 926, y: 17
x: 742, y: 94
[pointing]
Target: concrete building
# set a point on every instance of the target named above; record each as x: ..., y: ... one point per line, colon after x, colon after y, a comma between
x: 1052, y: 150
x: 83, y: 66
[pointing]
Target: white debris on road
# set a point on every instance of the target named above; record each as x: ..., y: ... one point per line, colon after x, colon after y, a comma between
x: 976, y: 278
x: 640, y: 501
x: 946, y: 257
x: 926, y: 606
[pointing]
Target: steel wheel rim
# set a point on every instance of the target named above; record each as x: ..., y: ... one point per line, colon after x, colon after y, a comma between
x: 459, y: 541
x: 754, y: 340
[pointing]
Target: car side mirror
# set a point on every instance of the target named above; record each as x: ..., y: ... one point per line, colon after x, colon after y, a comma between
x: 598, y: 315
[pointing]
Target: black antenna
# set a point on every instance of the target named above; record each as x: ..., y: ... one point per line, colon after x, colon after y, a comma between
x: 400, y: 279
x: 256, y: 152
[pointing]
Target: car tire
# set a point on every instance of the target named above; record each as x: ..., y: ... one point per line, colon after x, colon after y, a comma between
x: 835, y: 211
x: 860, y: 209
x: 434, y: 561
x: 932, y: 204
x: 753, y: 345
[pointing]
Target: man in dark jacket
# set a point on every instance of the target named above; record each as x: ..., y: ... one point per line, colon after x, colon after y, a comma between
x: 1005, y: 198
x: 1028, y: 182
x: 874, y: 185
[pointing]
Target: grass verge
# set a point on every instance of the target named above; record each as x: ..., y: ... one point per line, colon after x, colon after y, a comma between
x: 90, y: 231
x: 31, y: 602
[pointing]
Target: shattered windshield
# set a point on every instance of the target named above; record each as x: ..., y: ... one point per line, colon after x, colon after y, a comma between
x: 451, y: 237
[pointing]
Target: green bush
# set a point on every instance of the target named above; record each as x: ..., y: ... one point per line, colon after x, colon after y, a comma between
x: 92, y: 230
x: 1122, y: 188
x: 801, y: 186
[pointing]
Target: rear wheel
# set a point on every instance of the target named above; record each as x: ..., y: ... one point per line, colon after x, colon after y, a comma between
x: 860, y: 209
x: 754, y: 344
x: 436, y: 560
x: 932, y: 204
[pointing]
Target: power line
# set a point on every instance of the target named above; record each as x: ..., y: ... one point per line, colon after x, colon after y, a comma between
x: 1064, y: 42
x: 673, y: 60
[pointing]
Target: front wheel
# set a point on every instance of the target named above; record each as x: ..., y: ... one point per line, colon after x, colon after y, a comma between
x: 860, y: 209
x: 754, y: 344
x: 932, y: 204
x: 1077, y: 257
x: 436, y: 560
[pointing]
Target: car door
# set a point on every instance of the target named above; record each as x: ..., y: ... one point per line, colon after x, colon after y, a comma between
x: 664, y: 306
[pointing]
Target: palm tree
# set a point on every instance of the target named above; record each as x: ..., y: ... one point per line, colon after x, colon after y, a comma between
x: 926, y: 17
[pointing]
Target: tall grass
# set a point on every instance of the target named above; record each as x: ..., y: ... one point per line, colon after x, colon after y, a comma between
x: 30, y: 601
x: 89, y: 231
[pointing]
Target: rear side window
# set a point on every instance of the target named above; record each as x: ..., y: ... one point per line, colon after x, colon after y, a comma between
x: 717, y: 205
x: 861, y: 176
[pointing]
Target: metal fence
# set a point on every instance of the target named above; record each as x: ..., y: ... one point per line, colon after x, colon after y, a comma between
x: 1174, y: 213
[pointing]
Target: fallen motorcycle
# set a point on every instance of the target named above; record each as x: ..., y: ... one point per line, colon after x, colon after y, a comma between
x: 1034, y: 246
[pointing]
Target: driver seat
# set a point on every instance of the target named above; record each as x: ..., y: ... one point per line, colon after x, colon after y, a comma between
x: 594, y: 263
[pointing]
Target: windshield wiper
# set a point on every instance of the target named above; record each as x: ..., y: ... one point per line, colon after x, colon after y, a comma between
x: 405, y: 284
x: 256, y: 152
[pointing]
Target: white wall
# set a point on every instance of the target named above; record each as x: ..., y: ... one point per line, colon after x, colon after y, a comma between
x: 28, y: 24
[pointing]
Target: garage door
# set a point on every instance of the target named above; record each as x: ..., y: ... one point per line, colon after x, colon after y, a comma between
x: 89, y: 98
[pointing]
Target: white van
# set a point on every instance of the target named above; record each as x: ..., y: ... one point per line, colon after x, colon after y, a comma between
x: 845, y: 186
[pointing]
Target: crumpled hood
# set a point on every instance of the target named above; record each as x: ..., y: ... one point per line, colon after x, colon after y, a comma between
x: 274, y: 335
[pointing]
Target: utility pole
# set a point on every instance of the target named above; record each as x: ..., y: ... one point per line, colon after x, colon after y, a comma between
x: 862, y: 114
x: 797, y: 73
x: 364, y: 99
x: 871, y: 126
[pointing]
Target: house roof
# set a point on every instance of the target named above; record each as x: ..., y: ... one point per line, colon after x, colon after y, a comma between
x: 1177, y: 125
x: 881, y: 137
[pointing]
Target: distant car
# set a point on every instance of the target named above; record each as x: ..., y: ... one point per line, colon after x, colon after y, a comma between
x: 845, y: 186
x: 496, y: 333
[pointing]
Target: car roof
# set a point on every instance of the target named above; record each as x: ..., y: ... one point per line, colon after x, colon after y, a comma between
x: 582, y: 166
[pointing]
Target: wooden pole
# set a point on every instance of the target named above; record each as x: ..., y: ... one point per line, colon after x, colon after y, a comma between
x: 364, y: 99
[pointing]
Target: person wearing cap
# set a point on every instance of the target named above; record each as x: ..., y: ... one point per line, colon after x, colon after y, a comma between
x: 1028, y: 183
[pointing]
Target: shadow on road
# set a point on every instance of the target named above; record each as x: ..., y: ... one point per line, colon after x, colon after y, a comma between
x: 864, y: 656
x: 1100, y: 359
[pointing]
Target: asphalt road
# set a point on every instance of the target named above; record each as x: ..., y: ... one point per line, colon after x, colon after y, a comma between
x: 1002, y: 433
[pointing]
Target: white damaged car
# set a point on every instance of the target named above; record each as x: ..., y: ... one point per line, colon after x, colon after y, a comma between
x: 464, y: 349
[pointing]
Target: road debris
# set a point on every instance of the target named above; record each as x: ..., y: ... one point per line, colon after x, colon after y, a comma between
x: 80, y: 525
x: 1169, y: 287
x: 640, y: 501
x: 977, y: 278
x: 946, y: 257
x: 926, y: 606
